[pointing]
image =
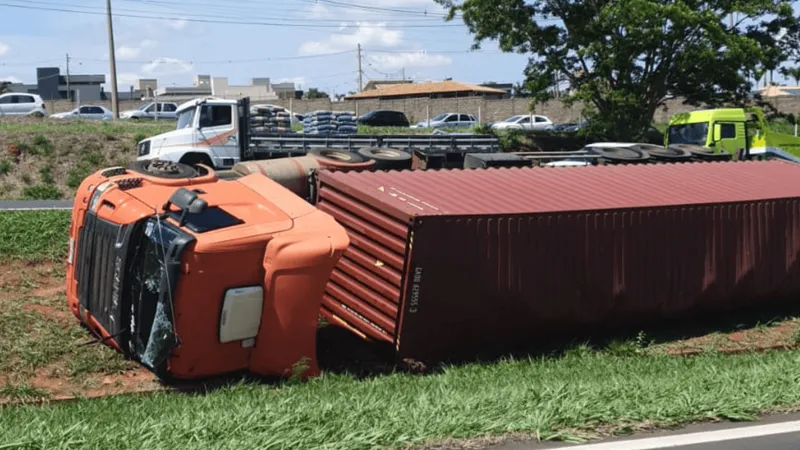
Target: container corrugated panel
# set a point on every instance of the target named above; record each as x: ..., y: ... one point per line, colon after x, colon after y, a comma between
x: 447, y: 261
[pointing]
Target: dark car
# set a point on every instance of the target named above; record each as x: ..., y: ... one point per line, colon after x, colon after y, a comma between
x: 384, y: 119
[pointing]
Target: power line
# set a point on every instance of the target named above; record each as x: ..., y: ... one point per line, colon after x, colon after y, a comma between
x: 221, y: 61
x: 212, y: 21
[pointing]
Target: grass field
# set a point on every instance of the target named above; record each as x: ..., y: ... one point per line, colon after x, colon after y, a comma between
x: 583, y: 392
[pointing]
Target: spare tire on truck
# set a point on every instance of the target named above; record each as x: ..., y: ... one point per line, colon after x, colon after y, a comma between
x: 292, y: 173
x: 164, y: 169
x: 344, y: 160
x: 620, y: 154
x: 667, y: 154
x: 387, y: 158
x: 701, y: 153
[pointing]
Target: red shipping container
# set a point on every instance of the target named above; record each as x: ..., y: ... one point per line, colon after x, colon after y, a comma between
x: 447, y: 261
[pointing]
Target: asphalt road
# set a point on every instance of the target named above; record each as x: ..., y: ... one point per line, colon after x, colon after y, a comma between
x: 770, y: 433
x: 35, y: 205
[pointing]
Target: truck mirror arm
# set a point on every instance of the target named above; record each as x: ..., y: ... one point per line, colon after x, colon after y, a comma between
x: 188, y: 202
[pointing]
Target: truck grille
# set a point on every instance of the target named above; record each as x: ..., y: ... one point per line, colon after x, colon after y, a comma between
x: 99, y: 270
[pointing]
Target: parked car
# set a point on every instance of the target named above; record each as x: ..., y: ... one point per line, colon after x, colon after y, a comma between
x: 89, y: 112
x: 528, y: 122
x: 152, y: 111
x: 384, y: 118
x: 448, y: 120
x: 19, y: 104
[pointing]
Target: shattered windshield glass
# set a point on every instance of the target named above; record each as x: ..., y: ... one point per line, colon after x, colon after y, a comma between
x: 152, y: 329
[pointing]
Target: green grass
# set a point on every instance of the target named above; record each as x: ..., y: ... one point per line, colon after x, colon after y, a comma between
x: 34, y: 235
x: 44, y: 127
x: 558, y: 398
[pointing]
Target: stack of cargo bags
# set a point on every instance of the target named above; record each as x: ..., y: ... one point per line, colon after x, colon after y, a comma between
x: 330, y: 122
x: 270, y: 119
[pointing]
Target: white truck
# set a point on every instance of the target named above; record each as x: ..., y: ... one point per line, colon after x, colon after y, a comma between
x: 216, y: 132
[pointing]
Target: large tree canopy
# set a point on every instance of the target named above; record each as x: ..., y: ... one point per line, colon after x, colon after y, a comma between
x: 623, y: 59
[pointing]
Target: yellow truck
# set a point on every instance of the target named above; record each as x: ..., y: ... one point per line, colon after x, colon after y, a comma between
x: 742, y: 132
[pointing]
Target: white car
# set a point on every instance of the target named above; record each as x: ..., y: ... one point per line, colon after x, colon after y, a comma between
x: 152, y: 110
x: 448, y: 120
x: 86, y: 112
x: 524, y: 122
x: 20, y: 104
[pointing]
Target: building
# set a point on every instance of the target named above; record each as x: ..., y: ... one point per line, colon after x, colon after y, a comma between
x: 508, y: 87
x: 51, y: 85
x: 436, y: 89
x: 779, y: 91
x: 378, y: 84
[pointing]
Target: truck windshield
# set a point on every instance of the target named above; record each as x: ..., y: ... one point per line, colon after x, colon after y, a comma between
x: 186, y: 119
x: 692, y: 133
x: 151, y: 328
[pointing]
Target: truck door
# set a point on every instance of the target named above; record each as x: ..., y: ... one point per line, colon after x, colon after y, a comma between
x: 218, y: 133
x: 729, y: 136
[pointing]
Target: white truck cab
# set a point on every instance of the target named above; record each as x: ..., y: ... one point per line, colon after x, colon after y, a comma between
x: 207, y: 133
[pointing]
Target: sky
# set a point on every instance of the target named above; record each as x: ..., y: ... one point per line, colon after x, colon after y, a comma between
x: 310, y: 42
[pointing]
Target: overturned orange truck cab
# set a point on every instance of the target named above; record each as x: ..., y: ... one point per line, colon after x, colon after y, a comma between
x: 194, y: 276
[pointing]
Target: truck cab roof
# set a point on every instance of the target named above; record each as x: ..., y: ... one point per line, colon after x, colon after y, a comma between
x: 192, y: 104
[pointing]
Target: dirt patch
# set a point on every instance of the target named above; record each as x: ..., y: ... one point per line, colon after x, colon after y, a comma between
x: 782, y: 334
x: 23, y: 279
x: 96, y: 385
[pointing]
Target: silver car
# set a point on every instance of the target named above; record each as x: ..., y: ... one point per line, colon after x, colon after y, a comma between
x: 448, y: 120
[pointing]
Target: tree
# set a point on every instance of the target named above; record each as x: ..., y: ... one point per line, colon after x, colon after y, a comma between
x: 793, y: 73
x: 314, y: 93
x: 624, y: 58
x: 4, y: 86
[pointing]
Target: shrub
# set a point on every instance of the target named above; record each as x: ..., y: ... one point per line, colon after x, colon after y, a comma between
x: 46, y: 172
x: 76, y: 175
x: 26, y: 178
x: 139, y: 137
x: 5, y: 167
x: 41, y: 146
x: 41, y: 192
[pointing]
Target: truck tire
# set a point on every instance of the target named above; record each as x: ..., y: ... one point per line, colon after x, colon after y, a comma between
x: 193, y: 159
x: 672, y: 154
x: 163, y: 169
x: 341, y: 159
x: 621, y: 154
x: 387, y: 158
x: 701, y: 153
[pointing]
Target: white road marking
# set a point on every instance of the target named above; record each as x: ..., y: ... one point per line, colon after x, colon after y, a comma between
x: 703, y: 437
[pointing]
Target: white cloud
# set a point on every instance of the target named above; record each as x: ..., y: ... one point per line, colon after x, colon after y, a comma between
x: 178, y: 24
x: 128, y: 52
x: 10, y: 79
x: 409, y: 60
x: 166, y: 66
x: 4, y: 49
x: 367, y: 34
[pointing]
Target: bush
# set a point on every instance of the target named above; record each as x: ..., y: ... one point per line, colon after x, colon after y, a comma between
x: 76, y: 175
x: 41, y: 146
x: 41, y: 192
x: 139, y: 137
x: 5, y: 167
x: 46, y: 172
x: 26, y: 178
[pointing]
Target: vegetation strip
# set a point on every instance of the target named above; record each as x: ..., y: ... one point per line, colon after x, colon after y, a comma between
x: 580, y: 391
x: 34, y: 235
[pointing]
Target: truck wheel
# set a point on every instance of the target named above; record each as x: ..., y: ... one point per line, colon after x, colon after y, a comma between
x: 701, y: 153
x: 341, y: 159
x: 387, y: 158
x: 193, y: 159
x: 164, y: 169
x: 620, y: 154
x: 671, y: 153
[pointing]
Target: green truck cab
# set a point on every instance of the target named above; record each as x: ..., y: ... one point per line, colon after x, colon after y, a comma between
x: 742, y: 132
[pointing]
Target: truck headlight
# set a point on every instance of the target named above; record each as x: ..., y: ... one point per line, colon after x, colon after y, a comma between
x: 97, y: 193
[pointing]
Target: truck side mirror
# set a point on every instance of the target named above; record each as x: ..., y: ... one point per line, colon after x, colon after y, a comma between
x: 717, y: 135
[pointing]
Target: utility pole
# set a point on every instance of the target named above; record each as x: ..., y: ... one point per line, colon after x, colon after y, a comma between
x: 404, y: 74
x: 113, y: 62
x: 360, y: 72
x: 69, y: 93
